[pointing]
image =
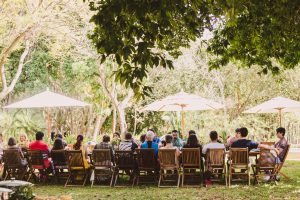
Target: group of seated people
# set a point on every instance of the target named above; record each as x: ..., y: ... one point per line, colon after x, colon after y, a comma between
x: 150, y: 140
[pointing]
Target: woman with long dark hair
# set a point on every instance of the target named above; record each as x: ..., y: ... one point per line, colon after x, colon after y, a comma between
x: 192, y: 142
x: 78, y: 146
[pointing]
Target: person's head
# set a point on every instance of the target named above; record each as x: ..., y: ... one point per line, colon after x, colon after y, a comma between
x: 192, y: 141
x: 105, y: 138
x: 243, y: 132
x: 280, y: 132
x: 143, y: 138
x: 192, y: 132
x: 128, y: 136
x: 39, y: 135
x: 59, y: 135
x: 213, y: 136
x: 78, y: 143
x: 175, y: 134
x: 11, y: 142
x: 149, y: 136
x: 168, y: 139
x: 116, y: 135
x: 237, y: 132
x: 23, y: 137
x: 58, y: 144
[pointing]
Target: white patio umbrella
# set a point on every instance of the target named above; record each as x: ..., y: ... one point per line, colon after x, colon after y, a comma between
x: 276, y: 105
x: 47, y: 99
x: 183, y: 102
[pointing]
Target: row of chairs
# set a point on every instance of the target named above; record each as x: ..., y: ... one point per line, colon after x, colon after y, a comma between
x: 141, y: 165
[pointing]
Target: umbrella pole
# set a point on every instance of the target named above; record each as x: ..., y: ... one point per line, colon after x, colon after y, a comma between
x: 280, y: 116
x: 49, y: 124
x: 182, y: 123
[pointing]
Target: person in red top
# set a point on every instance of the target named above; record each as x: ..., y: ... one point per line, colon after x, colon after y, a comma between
x: 40, y: 145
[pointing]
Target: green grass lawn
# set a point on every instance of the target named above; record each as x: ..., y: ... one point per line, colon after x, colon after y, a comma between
x: 286, y: 189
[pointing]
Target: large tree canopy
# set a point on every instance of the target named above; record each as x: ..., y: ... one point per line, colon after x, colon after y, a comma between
x: 144, y: 34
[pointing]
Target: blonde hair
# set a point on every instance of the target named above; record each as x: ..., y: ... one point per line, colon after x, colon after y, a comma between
x: 25, y: 135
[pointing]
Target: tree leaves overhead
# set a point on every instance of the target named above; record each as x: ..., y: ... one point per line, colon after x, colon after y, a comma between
x: 260, y: 32
x: 142, y: 34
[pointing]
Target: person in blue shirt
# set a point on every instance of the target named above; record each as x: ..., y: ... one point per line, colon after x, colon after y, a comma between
x: 155, y: 138
x: 149, y: 142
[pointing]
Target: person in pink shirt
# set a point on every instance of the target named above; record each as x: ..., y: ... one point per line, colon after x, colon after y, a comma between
x: 231, y: 140
x: 40, y: 145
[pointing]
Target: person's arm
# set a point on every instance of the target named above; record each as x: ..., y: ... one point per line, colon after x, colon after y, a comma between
x: 204, y: 149
x: 264, y: 146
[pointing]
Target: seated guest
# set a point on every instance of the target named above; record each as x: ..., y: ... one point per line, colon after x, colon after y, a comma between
x: 78, y: 146
x: 40, y: 145
x: 149, y: 142
x: 128, y: 144
x: 281, y: 145
x: 155, y: 138
x: 23, y: 141
x: 243, y: 142
x: 105, y: 145
x: 177, y: 142
x: 59, y: 159
x: 231, y: 140
x: 58, y: 144
x: 12, y: 144
x: 214, y: 144
x: 192, y: 142
x: 169, y: 145
x: 142, y: 140
x: 60, y: 136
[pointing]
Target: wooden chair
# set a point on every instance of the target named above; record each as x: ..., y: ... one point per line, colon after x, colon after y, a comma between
x: 168, y: 162
x: 125, y: 164
x: 13, y: 164
x: 266, y: 163
x: 280, y: 165
x: 76, y: 166
x: 239, y: 160
x: 102, y: 165
x: 215, y: 163
x: 191, y: 162
x: 60, y: 164
x: 147, y: 165
x: 36, y: 162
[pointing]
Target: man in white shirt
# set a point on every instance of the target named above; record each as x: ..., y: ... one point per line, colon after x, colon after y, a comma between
x: 214, y: 144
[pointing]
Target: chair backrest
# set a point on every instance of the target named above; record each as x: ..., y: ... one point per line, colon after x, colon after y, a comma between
x: 268, y: 143
x: 12, y: 158
x: 35, y: 158
x: 101, y: 157
x: 239, y: 156
x: 167, y: 158
x: 124, y: 160
x: 58, y: 157
x: 146, y: 159
x: 191, y: 157
x: 75, y: 159
x: 286, y: 154
x: 215, y: 157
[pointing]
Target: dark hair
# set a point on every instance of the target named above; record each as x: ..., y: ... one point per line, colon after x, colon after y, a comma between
x: 11, y: 141
x: 79, y: 140
x: 244, y: 131
x: 58, y: 144
x: 192, y: 141
x: 168, y: 138
x: 163, y: 143
x: 39, y: 135
x: 117, y: 133
x: 105, y: 138
x: 238, y: 130
x: 128, y: 136
x: 143, y: 137
x: 59, y: 135
x: 174, y: 131
x: 213, y: 135
x: 192, y: 132
x: 280, y: 130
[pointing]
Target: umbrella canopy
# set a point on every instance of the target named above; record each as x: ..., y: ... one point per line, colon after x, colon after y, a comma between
x: 183, y: 102
x: 47, y: 99
x: 274, y: 105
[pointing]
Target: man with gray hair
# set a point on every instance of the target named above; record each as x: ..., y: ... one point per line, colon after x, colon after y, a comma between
x: 149, y: 142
